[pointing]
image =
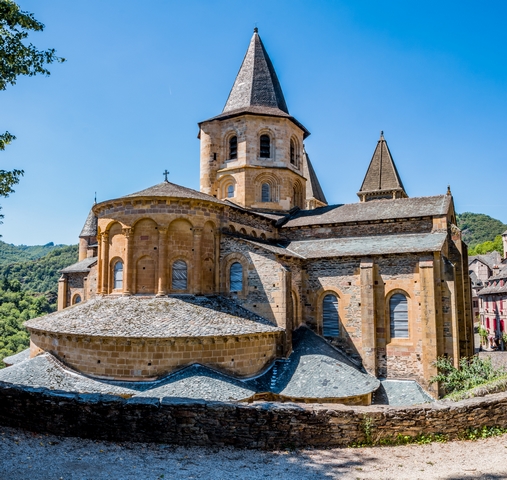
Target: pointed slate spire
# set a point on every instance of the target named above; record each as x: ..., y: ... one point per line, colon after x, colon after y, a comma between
x: 382, y: 180
x: 90, y: 226
x: 256, y: 83
x: 314, y: 194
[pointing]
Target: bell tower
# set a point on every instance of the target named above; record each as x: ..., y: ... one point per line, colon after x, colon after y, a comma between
x: 252, y: 154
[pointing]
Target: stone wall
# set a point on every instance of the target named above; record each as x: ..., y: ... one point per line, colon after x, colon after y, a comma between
x: 141, y: 358
x: 262, y: 425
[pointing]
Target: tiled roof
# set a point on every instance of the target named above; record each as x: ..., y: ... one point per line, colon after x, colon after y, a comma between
x: 382, y: 175
x: 168, y: 189
x: 491, y: 259
x: 315, y: 370
x: 256, y: 83
x: 90, y: 226
x: 80, y: 267
x: 150, y: 317
x: 18, y: 357
x: 373, y: 245
x: 400, y: 393
x: 372, y: 211
x: 313, y: 188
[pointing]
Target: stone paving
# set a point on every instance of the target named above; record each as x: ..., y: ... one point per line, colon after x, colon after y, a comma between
x: 154, y: 317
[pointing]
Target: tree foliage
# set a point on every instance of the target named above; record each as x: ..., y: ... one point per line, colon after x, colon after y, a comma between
x: 21, y: 253
x: 16, y: 307
x: 479, y: 228
x: 487, y: 247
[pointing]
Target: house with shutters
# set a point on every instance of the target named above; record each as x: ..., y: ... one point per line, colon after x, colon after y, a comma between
x: 257, y: 278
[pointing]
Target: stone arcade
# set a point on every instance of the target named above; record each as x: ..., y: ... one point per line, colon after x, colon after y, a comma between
x: 255, y: 279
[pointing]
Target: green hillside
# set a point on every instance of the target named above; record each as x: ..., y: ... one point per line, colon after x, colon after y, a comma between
x: 18, y: 253
x: 479, y: 228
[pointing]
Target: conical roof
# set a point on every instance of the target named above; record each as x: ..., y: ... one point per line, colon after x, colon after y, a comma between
x: 313, y: 188
x: 256, y: 83
x: 382, y: 177
x: 90, y: 226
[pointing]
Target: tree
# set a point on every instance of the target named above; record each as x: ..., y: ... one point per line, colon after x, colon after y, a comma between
x: 18, y: 58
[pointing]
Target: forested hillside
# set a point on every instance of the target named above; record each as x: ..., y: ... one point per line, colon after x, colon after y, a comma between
x: 479, y: 228
x: 28, y: 289
x: 19, y: 253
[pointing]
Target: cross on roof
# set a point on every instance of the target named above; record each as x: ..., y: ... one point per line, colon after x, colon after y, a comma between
x: 165, y: 173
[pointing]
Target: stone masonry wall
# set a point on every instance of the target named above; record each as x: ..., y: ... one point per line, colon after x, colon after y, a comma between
x: 261, y: 425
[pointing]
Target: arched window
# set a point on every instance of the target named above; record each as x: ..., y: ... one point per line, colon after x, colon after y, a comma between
x: 266, y: 192
x: 297, y: 196
x: 230, y: 191
x: 236, y: 277
x: 77, y: 299
x: 265, y: 146
x: 118, y: 276
x: 233, y: 148
x: 179, y: 276
x: 330, y: 317
x: 293, y: 153
x: 398, y: 314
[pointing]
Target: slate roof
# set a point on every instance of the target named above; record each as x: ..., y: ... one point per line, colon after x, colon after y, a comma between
x: 80, y: 267
x: 492, y: 289
x: 315, y: 370
x: 153, y: 317
x: 491, y: 259
x: 373, y: 245
x: 90, y: 226
x: 372, y: 211
x: 256, y: 83
x: 382, y: 175
x: 168, y: 189
x: 400, y: 393
x: 313, y: 188
x: 18, y: 357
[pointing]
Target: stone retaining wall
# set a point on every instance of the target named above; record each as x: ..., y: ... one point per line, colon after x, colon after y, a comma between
x: 262, y: 425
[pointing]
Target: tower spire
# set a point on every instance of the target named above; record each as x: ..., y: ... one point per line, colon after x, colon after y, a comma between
x: 256, y: 83
x: 382, y: 180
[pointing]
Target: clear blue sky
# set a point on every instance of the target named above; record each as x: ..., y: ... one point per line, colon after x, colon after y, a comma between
x: 140, y: 75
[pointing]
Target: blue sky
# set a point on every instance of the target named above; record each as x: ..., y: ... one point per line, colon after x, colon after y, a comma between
x: 140, y: 75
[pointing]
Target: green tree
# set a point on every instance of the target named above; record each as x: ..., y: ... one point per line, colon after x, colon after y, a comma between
x: 17, y: 57
x: 487, y: 247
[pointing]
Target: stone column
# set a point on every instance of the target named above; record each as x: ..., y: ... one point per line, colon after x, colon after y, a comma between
x: 196, y: 268
x: 62, y: 293
x: 428, y: 322
x: 127, y: 262
x: 104, y: 250
x: 368, y: 317
x: 162, y: 261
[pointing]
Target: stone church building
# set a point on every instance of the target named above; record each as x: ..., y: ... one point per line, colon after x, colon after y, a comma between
x: 257, y: 268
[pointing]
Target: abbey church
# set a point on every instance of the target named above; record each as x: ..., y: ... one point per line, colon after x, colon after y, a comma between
x: 257, y: 278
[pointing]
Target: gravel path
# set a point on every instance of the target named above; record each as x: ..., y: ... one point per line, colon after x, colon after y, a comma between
x: 25, y: 455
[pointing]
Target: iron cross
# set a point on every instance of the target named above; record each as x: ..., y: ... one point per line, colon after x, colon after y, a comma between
x: 166, y: 173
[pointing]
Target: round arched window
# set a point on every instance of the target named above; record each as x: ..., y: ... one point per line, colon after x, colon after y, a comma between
x: 179, y: 275
x: 236, y: 277
x: 77, y: 299
x: 330, y: 317
x: 398, y: 315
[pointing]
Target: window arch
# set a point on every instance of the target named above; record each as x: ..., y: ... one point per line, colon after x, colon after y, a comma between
x: 236, y: 277
x: 398, y: 315
x: 330, y: 316
x: 179, y: 275
x: 118, y: 276
x: 230, y: 190
x: 265, y: 192
x: 265, y: 146
x: 233, y: 147
x: 76, y: 299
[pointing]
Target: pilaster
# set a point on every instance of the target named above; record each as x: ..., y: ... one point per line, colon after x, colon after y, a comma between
x: 196, y: 286
x: 368, y: 320
x: 162, y: 261
x: 127, y: 262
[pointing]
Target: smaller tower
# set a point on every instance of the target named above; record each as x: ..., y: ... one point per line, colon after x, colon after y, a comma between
x: 382, y: 180
x: 88, y: 238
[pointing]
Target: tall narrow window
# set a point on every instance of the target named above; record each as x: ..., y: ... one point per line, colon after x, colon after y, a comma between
x: 398, y: 313
x: 330, y: 317
x: 292, y: 152
x: 265, y: 146
x: 179, y: 277
x: 230, y: 191
x: 233, y: 148
x: 236, y: 277
x: 118, y: 275
x: 266, y: 192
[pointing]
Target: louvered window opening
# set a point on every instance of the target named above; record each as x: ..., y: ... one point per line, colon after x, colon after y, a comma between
x: 230, y: 191
x: 265, y: 146
x: 266, y: 192
x: 236, y: 277
x: 330, y: 317
x: 179, y: 276
x: 292, y: 153
x: 233, y: 148
x: 398, y: 308
x: 118, y: 275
